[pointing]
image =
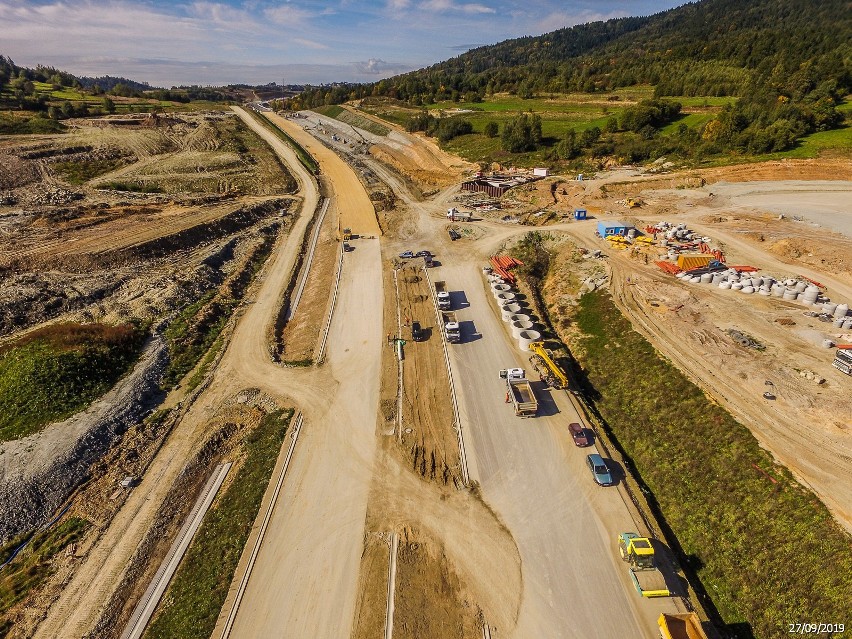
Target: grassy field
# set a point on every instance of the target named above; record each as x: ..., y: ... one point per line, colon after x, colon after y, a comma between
x: 581, y: 111
x: 191, y: 605
x: 768, y: 553
x: 58, y: 370
x: 32, y: 565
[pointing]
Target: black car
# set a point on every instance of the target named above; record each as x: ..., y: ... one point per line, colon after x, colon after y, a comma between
x: 417, y: 332
x: 422, y: 254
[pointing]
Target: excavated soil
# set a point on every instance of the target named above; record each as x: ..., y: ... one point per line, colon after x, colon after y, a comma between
x: 427, y: 435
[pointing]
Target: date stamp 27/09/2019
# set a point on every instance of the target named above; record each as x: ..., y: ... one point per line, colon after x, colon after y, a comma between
x: 815, y: 628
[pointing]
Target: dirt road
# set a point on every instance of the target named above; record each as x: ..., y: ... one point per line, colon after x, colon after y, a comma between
x: 84, y: 597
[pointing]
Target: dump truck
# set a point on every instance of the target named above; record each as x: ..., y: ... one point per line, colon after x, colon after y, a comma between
x: 452, y: 330
x: 638, y: 552
x: 546, y: 367
x: 519, y: 392
x: 454, y: 215
x: 442, y: 295
x: 680, y: 626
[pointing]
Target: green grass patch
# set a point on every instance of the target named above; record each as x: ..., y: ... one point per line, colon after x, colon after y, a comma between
x: 12, y: 125
x: 834, y: 142
x: 58, y: 370
x: 33, y: 564
x: 330, y: 111
x: 81, y: 172
x: 768, y: 553
x: 354, y: 119
x: 192, y: 603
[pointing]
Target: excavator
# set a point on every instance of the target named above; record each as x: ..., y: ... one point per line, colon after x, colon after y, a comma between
x: 546, y: 367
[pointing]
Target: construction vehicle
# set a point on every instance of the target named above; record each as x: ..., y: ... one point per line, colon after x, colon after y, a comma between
x: 347, y: 234
x: 442, y: 295
x: 452, y: 330
x: 638, y: 552
x: 519, y: 392
x: 454, y: 215
x: 546, y: 367
x: 633, y: 202
x: 843, y: 359
x: 680, y: 626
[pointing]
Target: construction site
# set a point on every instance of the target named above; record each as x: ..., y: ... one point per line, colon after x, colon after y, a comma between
x: 409, y: 335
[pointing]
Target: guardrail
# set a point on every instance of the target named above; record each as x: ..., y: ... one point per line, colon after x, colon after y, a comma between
x: 146, y: 606
x: 232, y: 615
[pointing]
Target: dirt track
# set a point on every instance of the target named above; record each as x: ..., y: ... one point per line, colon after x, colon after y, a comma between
x: 80, y: 603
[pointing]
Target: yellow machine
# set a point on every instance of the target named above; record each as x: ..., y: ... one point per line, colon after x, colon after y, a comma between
x: 546, y: 367
x: 633, y: 202
x: 638, y: 552
x: 347, y: 235
x: 680, y: 626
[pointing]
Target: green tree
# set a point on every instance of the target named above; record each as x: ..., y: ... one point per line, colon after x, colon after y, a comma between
x: 491, y: 129
x: 108, y: 104
x: 522, y: 133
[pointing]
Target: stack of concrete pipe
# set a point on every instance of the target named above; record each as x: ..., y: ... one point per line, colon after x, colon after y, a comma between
x: 788, y: 289
x: 508, y: 310
x: 527, y: 337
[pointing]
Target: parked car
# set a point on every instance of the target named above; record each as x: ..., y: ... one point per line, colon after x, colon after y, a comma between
x: 406, y: 255
x: 599, y: 469
x: 422, y: 254
x: 417, y: 332
x: 578, y: 434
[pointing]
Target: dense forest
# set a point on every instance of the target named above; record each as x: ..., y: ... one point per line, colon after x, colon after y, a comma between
x: 788, y: 62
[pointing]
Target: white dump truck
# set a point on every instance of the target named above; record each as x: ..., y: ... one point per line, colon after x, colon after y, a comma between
x: 442, y: 295
x: 519, y: 392
x: 454, y: 215
x: 452, y: 330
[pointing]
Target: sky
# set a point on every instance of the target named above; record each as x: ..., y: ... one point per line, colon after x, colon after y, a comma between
x: 173, y: 43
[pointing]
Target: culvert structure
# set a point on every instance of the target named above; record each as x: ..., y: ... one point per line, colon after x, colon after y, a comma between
x: 522, y: 326
x: 527, y: 337
x: 508, y: 310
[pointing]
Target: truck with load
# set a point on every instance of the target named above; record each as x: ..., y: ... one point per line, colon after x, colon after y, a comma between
x: 454, y: 215
x: 680, y: 626
x: 519, y: 392
x: 843, y: 359
x: 442, y: 295
x: 638, y: 552
x: 452, y: 330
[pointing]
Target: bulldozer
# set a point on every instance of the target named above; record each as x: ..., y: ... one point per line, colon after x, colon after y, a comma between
x: 546, y: 367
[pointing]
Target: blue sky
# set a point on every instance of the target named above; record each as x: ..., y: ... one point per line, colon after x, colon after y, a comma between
x: 261, y: 41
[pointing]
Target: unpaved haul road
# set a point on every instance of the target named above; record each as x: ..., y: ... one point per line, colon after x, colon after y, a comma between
x: 304, y: 583
x: 321, y: 584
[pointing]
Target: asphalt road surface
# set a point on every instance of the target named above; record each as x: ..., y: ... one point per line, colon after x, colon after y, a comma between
x: 565, y: 526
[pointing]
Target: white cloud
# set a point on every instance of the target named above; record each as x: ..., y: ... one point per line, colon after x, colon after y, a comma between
x: 451, y: 5
x: 310, y: 44
x: 377, y: 66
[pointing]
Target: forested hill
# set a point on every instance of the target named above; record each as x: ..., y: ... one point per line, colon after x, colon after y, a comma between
x: 789, y: 62
x: 714, y: 47
x: 711, y: 47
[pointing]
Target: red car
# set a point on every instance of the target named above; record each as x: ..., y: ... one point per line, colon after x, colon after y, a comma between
x: 578, y: 433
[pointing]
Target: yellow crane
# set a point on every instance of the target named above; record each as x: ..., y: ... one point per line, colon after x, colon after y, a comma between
x: 544, y: 364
